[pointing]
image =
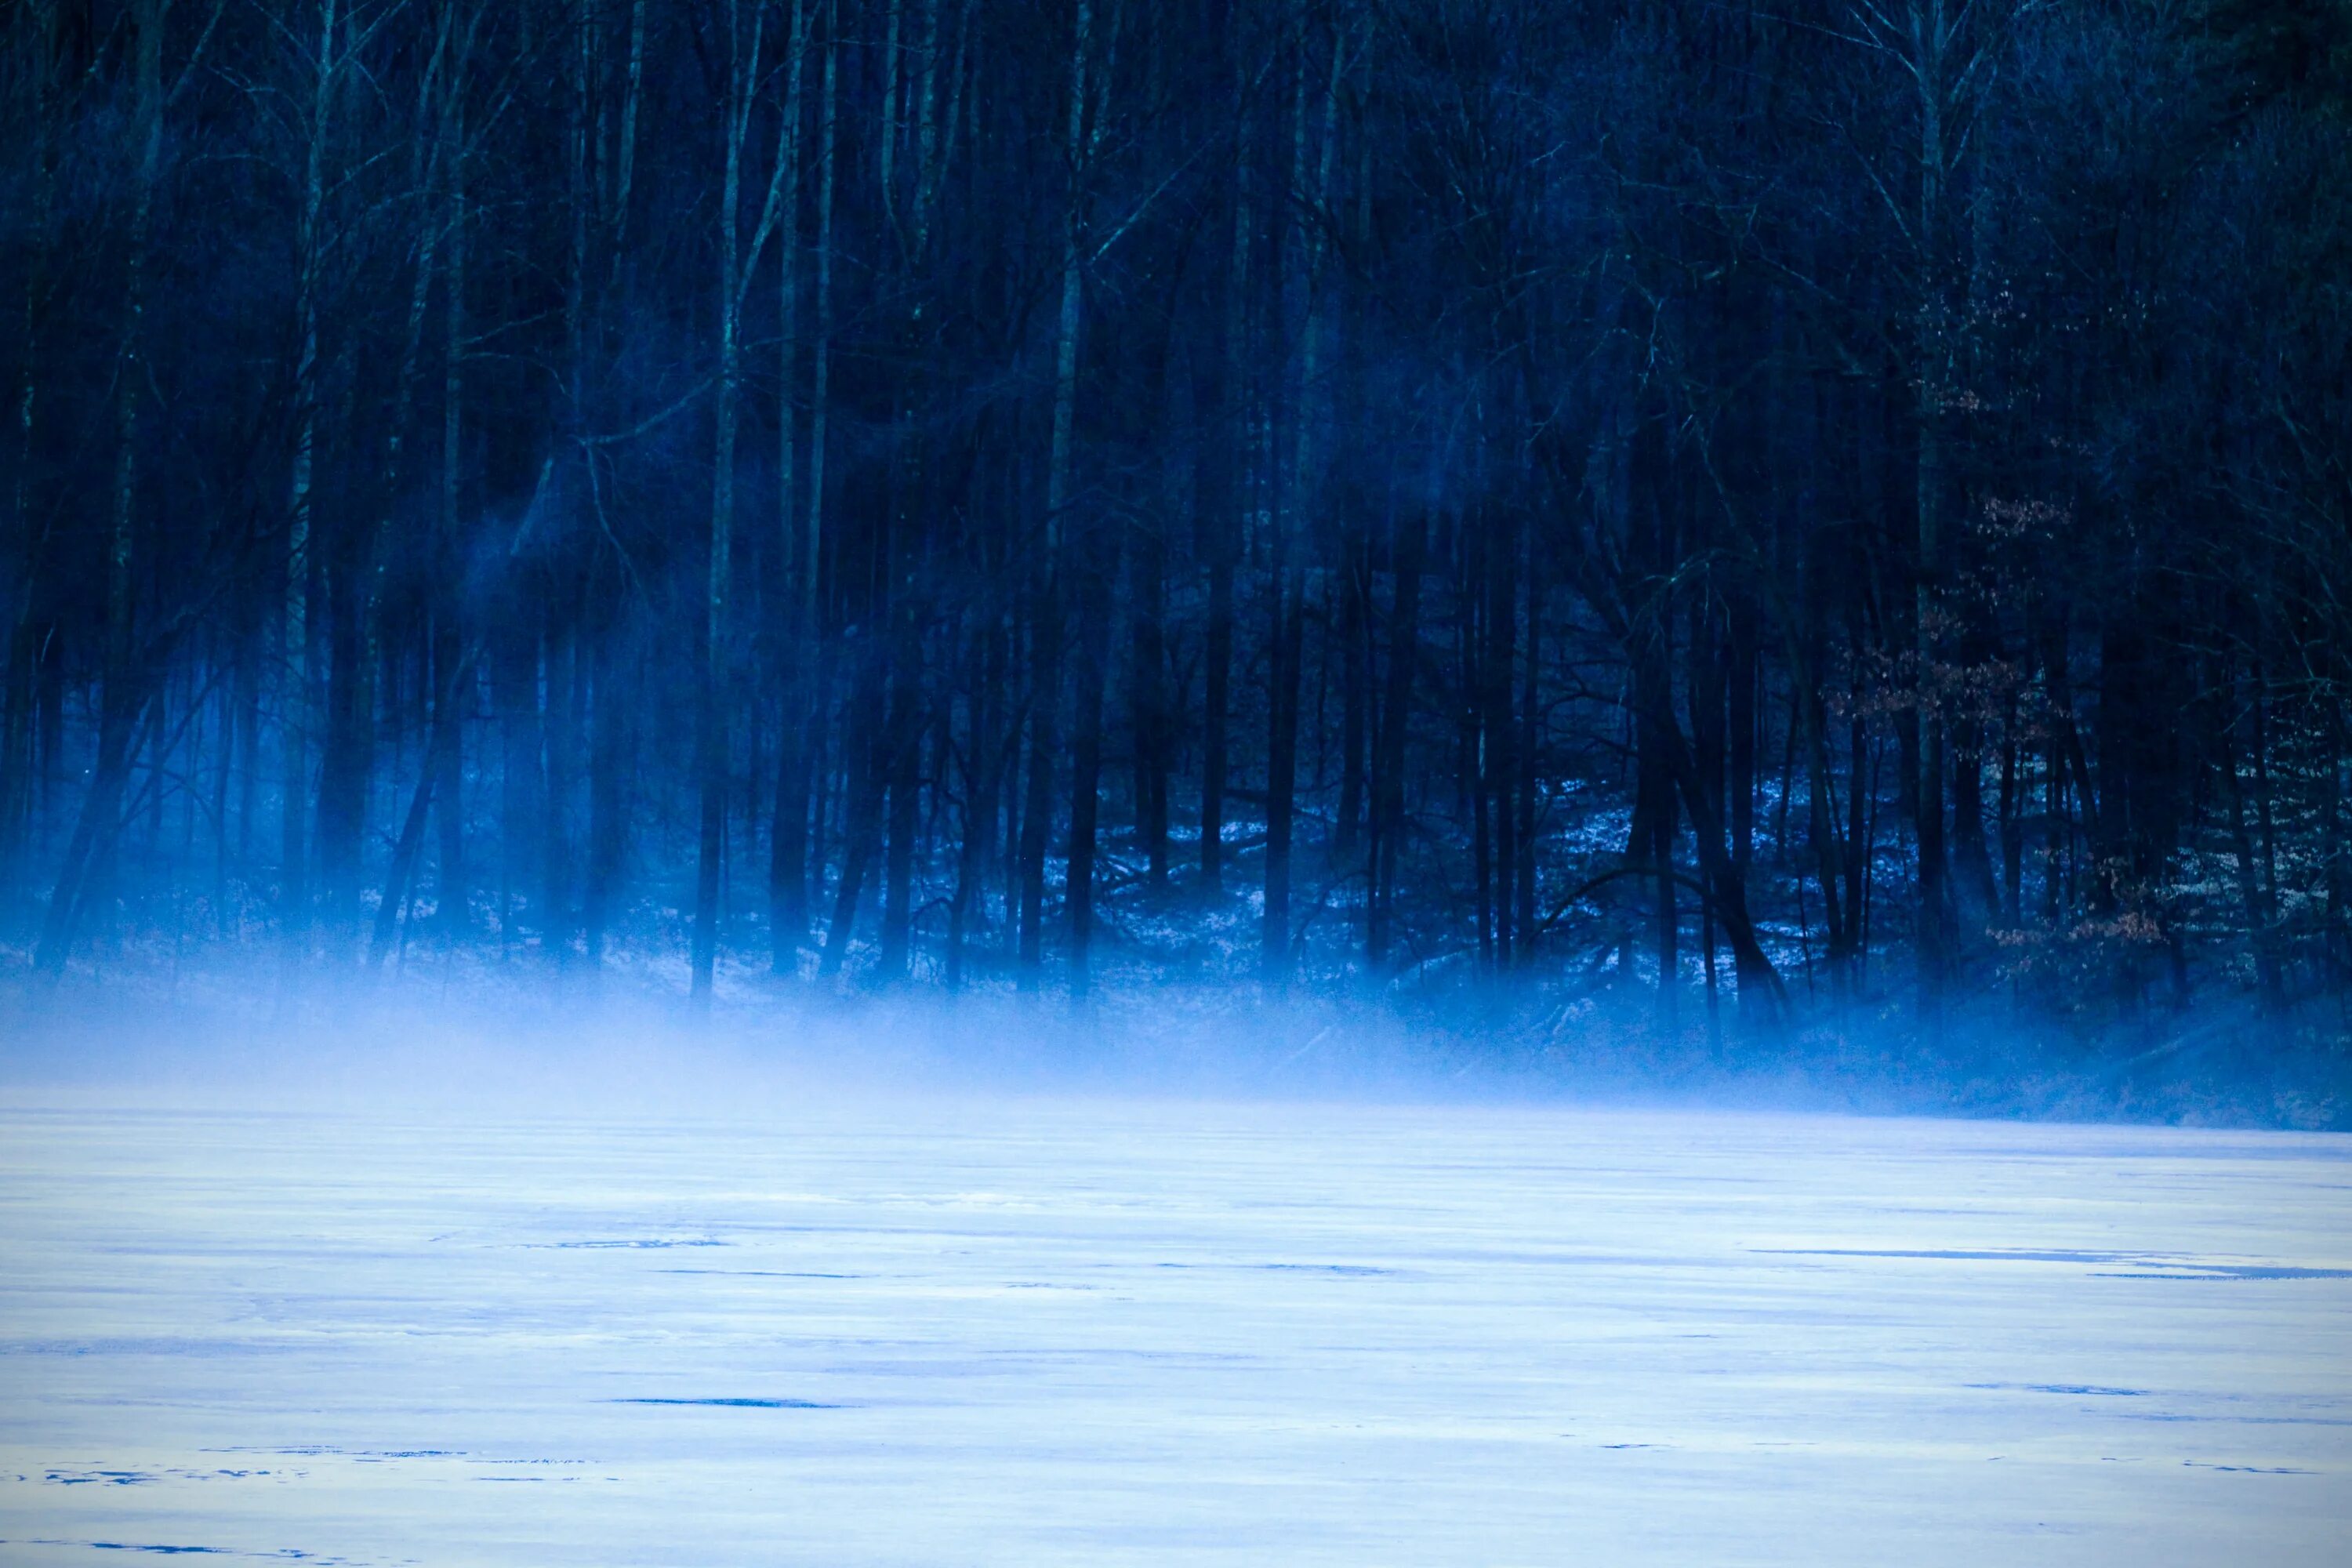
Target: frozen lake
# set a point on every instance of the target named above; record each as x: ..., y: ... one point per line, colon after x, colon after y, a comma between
x: 1037, y: 1331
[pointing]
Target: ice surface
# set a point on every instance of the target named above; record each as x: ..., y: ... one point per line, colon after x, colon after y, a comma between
x: 1038, y: 1331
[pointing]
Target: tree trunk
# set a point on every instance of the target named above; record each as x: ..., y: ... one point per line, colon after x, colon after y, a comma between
x: 712, y: 766
x: 1085, y: 761
x: 802, y: 810
x: 1405, y: 546
x: 902, y: 751
x: 1150, y: 593
x: 1529, y: 720
x: 607, y: 799
x: 1227, y: 527
x: 1216, y: 705
x: 299, y: 703
x: 1355, y: 664
x: 2254, y: 904
x: 453, y: 897
x: 863, y: 763
x: 19, y: 653
x: 794, y: 632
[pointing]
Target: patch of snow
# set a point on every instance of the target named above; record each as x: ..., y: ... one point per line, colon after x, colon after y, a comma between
x: 1040, y: 1331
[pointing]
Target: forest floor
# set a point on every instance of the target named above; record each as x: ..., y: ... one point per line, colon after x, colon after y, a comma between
x: 835, y: 1327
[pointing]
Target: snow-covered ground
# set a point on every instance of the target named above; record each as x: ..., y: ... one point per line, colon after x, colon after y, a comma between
x: 1035, y: 1330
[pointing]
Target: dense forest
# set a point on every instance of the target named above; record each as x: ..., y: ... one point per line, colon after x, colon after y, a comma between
x: 1731, y: 513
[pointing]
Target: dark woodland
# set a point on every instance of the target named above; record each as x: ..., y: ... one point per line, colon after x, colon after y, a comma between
x: 1735, y: 519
